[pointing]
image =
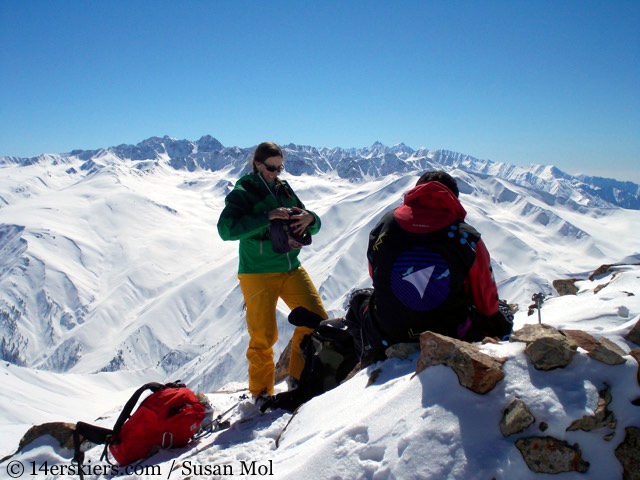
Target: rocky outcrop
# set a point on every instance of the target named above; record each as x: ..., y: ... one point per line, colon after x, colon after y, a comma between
x: 516, y: 417
x: 602, y: 417
x: 566, y: 286
x: 634, y: 334
x: 635, y: 353
x: 550, y: 455
x: 282, y: 365
x: 547, y: 349
x: 402, y: 350
x: 475, y: 370
x: 603, y: 350
x: 606, y: 268
x: 628, y: 454
x: 61, y: 431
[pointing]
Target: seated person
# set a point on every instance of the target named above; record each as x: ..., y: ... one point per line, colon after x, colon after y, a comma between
x: 430, y: 271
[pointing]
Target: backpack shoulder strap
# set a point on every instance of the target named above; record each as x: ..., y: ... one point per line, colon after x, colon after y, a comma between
x: 104, y: 436
x: 131, y: 403
x: 92, y: 433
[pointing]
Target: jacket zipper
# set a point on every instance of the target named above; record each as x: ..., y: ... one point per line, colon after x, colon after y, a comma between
x: 274, y: 196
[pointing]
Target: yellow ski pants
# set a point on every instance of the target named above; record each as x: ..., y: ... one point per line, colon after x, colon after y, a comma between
x: 261, y: 292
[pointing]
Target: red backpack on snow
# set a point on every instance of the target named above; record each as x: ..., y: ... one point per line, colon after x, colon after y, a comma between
x: 167, y: 418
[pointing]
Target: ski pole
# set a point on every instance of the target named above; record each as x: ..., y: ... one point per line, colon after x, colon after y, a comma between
x: 539, y: 299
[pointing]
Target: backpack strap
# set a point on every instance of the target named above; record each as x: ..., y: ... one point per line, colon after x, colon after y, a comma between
x: 105, y: 436
x: 131, y: 403
x: 92, y: 433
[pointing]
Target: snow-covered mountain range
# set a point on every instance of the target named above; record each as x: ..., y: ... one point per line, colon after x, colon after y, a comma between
x: 100, y: 248
x: 112, y: 274
x: 357, y: 164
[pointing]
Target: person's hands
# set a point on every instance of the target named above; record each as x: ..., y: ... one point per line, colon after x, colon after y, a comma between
x: 301, y: 219
x: 279, y: 213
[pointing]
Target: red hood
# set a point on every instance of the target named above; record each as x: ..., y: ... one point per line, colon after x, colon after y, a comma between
x: 429, y: 207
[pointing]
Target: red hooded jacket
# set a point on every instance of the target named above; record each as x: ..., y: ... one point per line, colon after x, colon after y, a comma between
x: 428, y: 208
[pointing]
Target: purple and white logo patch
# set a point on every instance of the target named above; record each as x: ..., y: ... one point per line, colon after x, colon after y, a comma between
x: 420, y: 279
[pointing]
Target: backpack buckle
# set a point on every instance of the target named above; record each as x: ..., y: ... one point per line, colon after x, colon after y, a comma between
x: 167, y: 440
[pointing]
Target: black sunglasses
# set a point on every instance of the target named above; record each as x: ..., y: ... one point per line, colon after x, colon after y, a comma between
x: 273, y: 169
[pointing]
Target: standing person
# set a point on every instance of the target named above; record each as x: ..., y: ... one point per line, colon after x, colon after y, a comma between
x: 256, y: 206
x: 430, y: 271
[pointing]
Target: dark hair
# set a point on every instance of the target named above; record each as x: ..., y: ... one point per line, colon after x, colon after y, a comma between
x: 263, y: 151
x: 439, y: 176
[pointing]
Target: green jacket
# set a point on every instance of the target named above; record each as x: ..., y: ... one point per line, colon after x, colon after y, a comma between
x: 245, y: 218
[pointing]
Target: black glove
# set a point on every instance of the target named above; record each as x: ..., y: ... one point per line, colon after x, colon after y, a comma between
x: 288, y: 401
x: 301, y: 317
x: 500, y: 324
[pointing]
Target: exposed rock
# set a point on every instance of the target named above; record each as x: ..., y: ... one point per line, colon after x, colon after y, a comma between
x: 402, y: 350
x: 603, y: 350
x: 543, y: 426
x: 608, y: 352
x: 61, y: 431
x: 516, y: 417
x: 600, y: 287
x: 532, y: 331
x: 549, y: 353
x: 606, y: 268
x: 566, y: 287
x: 547, y: 348
x: 635, y: 353
x: 634, y: 334
x: 584, y: 340
x: 373, y: 376
x: 282, y: 365
x: 550, y: 455
x: 475, y: 370
x: 602, y: 417
x: 493, y: 340
x: 601, y: 270
x: 628, y: 454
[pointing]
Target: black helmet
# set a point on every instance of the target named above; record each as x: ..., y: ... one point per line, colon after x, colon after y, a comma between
x: 284, y: 239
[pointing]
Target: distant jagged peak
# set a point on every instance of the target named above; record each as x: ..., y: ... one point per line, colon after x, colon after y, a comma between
x: 378, y: 148
x: 292, y: 148
x: 402, y: 150
x: 547, y: 172
x: 207, y: 143
x: 357, y: 164
x: 43, y: 158
x: 605, y: 182
x: 422, y: 152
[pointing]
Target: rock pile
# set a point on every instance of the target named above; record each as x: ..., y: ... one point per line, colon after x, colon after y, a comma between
x: 547, y: 349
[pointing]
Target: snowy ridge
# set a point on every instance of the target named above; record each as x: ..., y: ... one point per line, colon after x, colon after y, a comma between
x: 356, y: 164
x: 112, y: 274
x: 89, y: 265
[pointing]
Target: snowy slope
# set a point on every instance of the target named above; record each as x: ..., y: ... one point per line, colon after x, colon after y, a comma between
x: 89, y: 269
x: 112, y: 274
x: 401, y: 426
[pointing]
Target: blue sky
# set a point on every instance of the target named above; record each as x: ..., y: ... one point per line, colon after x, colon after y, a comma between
x: 524, y: 82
